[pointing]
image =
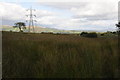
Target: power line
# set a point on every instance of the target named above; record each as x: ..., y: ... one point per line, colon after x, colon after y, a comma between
x: 31, y: 21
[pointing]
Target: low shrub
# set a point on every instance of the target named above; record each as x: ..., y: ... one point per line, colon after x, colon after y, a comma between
x: 90, y: 35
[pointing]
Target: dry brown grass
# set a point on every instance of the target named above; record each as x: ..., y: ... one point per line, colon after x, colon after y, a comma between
x: 58, y: 56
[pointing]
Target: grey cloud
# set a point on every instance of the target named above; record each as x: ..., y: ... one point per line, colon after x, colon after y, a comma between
x: 64, y: 5
x: 97, y: 17
x: 104, y: 10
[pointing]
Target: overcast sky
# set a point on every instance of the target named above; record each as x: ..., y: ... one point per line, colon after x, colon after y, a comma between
x: 97, y: 15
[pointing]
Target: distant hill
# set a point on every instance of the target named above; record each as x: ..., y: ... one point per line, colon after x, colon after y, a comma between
x: 39, y: 29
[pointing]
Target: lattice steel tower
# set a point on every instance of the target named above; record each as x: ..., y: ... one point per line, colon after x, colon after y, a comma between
x: 31, y: 21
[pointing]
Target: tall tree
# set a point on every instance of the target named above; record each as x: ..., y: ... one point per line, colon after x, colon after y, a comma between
x: 20, y: 25
x: 118, y: 25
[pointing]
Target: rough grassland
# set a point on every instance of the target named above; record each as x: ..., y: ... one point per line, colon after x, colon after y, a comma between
x: 58, y: 56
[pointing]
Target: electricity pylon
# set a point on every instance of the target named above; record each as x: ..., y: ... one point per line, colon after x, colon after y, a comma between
x: 31, y: 20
